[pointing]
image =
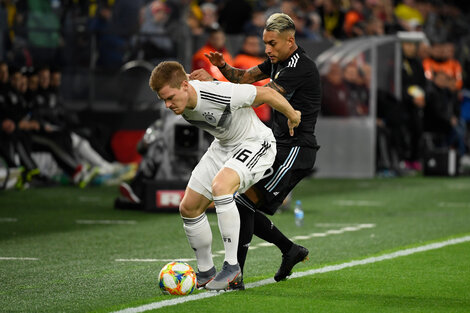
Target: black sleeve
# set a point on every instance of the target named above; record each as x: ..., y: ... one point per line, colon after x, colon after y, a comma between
x: 265, y: 67
x: 290, y: 78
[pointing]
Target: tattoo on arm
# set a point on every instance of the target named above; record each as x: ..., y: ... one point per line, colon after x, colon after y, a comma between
x: 239, y: 76
x: 233, y: 74
x: 276, y: 87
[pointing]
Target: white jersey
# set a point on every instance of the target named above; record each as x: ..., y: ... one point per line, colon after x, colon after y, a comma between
x: 224, y: 110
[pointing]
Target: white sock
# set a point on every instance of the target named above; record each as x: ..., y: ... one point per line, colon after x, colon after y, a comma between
x: 199, y: 234
x: 86, y: 152
x: 229, y: 225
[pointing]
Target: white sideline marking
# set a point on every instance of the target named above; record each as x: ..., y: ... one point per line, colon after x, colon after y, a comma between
x: 106, y: 222
x: 454, y: 204
x: 358, y: 203
x: 266, y: 244
x: 88, y: 199
x: 18, y: 259
x: 8, y: 220
x: 153, y: 260
x: 325, y: 269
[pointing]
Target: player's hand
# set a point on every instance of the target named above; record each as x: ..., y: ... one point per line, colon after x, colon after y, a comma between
x: 200, y: 74
x: 216, y: 58
x: 293, y: 123
x: 8, y: 126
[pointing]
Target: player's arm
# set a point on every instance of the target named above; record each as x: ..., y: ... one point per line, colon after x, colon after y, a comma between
x: 235, y: 75
x: 276, y: 87
x: 278, y: 103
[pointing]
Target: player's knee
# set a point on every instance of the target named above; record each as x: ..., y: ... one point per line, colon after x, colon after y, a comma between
x: 219, y: 188
x: 186, y: 210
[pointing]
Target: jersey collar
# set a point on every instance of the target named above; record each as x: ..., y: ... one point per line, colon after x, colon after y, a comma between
x: 299, y: 50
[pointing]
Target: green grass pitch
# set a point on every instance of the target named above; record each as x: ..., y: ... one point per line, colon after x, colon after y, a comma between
x: 72, y: 251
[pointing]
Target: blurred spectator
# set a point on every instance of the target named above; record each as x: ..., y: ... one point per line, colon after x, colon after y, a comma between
x: 110, y: 45
x: 4, y: 77
x: 424, y: 50
x: 288, y: 7
x: 374, y: 27
x: 353, y: 17
x: 408, y: 15
x: 301, y: 20
x: 210, y: 16
x: 154, y: 42
x: 332, y: 19
x: 314, y: 26
x: 358, y: 95
x: 250, y: 56
x: 442, y: 113
x: 215, y: 42
x: 234, y: 14
x: 413, y: 97
x: 271, y: 7
x: 44, y: 39
x: 442, y: 59
x: 14, y: 123
x: 335, y: 101
x: 391, y: 133
x: 256, y: 24
x: 194, y: 21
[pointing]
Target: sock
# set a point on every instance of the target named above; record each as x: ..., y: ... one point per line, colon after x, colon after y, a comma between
x: 229, y: 225
x: 199, y: 234
x: 247, y: 220
x: 266, y: 230
x: 87, y: 153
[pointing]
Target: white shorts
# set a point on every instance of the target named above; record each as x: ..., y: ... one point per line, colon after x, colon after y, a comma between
x: 249, y: 159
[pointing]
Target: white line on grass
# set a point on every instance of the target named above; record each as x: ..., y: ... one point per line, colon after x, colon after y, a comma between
x: 106, y: 222
x: 326, y: 269
x: 153, y: 260
x: 8, y: 220
x: 358, y: 203
x: 267, y: 244
x: 17, y: 259
x: 454, y: 204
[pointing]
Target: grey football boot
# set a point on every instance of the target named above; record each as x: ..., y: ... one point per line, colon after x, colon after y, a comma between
x: 229, y: 275
x: 205, y: 277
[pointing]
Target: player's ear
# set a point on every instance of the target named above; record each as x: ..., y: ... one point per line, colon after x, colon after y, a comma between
x: 291, y: 40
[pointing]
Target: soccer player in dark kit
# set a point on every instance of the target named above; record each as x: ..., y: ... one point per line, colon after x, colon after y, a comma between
x: 295, y: 76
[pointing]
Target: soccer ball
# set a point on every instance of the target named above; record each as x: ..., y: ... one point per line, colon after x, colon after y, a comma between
x: 177, y: 278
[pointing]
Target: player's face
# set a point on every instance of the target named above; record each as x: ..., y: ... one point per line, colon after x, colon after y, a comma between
x: 176, y: 99
x: 278, y: 45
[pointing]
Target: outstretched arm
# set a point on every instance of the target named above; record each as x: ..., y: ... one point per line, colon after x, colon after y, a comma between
x: 235, y: 75
x: 279, y: 103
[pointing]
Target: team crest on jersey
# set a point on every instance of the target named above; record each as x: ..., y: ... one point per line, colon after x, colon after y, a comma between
x: 209, y: 117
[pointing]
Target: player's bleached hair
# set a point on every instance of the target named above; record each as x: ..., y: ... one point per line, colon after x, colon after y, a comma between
x: 280, y: 22
x: 169, y: 73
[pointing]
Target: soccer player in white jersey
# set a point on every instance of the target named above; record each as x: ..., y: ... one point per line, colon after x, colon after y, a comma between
x: 243, y: 149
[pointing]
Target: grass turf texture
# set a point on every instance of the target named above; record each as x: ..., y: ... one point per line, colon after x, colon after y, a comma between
x: 77, y: 271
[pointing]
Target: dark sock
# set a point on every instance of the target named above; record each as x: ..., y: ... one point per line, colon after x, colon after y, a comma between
x: 246, y: 211
x: 266, y: 230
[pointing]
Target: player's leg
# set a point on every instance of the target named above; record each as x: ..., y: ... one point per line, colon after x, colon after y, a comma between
x: 244, y: 168
x: 198, y: 232
x: 292, y: 165
x: 224, y: 185
x: 246, y: 204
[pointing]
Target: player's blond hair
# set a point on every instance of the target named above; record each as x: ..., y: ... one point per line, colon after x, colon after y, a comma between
x: 169, y: 73
x: 280, y: 22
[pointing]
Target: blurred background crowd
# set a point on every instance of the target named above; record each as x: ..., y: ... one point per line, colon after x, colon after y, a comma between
x: 73, y: 75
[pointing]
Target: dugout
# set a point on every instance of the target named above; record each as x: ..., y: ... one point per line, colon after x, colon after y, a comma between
x: 348, y: 135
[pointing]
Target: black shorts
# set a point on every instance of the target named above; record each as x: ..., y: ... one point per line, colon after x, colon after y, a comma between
x: 291, y: 165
